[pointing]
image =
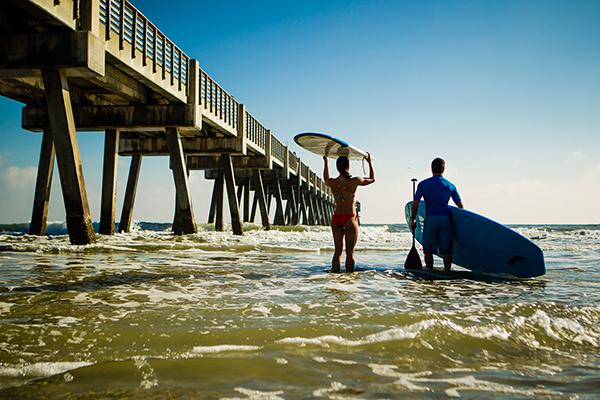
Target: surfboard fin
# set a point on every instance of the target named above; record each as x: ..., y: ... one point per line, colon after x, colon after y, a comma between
x: 513, y: 261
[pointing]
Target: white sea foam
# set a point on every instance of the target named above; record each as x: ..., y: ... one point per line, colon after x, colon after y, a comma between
x: 39, y: 370
x: 224, y: 348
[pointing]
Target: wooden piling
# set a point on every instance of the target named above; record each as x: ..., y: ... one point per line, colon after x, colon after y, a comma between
x: 259, y: 191
x: 130, y: 192
x: 279, y: 216
x: 58, y: 98
x: 234, y: 209
x: 109, y: 182
x: 39, y: 216
x: 184, y: 222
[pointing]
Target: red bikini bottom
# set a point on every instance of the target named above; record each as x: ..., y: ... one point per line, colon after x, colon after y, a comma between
x: 341, y: 219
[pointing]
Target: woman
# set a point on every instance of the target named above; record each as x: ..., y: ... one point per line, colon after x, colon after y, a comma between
x: 344, y: 221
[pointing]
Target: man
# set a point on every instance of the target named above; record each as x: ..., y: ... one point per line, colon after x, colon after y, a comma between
x: 437, y: 230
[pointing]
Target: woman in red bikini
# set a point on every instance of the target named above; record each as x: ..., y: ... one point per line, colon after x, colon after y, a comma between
x: 344, y: 222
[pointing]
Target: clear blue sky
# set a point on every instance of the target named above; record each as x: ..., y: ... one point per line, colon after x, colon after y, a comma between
x: 507, y: 92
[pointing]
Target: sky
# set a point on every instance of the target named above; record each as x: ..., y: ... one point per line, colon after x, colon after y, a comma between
x: 507, y: 92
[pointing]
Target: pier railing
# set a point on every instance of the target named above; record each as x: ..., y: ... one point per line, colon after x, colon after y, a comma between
x: 218, y: 104
x: 137, y: 47
x: 256, y: 135
x: 130, y: 26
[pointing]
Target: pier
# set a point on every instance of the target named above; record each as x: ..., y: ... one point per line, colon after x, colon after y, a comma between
x: 101, y: 65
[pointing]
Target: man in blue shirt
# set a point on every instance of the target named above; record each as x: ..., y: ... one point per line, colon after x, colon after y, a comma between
x: 437, y: 229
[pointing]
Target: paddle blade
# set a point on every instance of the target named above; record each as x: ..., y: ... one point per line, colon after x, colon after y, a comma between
x: 413, y: 260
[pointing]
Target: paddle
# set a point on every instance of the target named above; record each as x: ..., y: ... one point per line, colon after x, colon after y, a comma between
x: 413, y: 260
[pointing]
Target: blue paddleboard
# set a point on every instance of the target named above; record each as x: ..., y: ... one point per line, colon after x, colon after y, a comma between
x: 325, y: 145
x: 483, y: 245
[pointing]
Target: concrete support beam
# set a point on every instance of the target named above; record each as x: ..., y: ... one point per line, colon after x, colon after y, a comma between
x: 43, y: 184
x: 76, y: 53
x: 79, y: 221
x: 197, y: 145
x: 109, y: 182
x: 239, y: 162
x: 246, y: 173
x: 130, y: 192
x: 134, y: 117
x: 184, y: 222
x: 119, y: 83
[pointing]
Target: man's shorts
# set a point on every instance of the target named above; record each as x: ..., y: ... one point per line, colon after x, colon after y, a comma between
x: 437, y: 231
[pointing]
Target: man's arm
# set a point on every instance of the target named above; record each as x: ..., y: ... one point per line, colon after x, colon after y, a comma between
x: 460, y: 204
x: 413, y: 214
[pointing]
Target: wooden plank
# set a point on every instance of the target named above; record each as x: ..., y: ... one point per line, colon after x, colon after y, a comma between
x: 39, y: 216
x: 109, y: 182
x: 79, y: 221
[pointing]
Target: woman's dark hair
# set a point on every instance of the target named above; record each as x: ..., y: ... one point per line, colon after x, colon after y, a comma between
x: 342, y: 164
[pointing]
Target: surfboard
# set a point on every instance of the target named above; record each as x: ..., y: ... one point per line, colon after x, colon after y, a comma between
x: 325, y: 145
x: 483, y: 245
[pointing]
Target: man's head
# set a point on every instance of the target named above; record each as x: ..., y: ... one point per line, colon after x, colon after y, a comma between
x: 438, y: 166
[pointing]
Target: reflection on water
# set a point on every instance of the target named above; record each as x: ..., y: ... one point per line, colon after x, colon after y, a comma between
x: 150, y: 315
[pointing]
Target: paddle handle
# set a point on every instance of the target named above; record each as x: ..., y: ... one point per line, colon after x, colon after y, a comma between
x: 414, y: 182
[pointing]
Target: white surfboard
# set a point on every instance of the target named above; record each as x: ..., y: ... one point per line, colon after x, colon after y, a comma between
x: 325, y: 145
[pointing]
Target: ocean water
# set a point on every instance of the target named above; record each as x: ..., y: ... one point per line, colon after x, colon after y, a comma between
x: 150, y: 315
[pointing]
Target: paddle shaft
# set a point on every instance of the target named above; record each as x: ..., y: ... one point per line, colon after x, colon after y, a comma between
x: 414, y: 182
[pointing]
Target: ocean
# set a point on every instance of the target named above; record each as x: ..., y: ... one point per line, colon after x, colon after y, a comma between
x: 150, y: 315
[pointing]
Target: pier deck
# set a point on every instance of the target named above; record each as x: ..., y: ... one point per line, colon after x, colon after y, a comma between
x: 101, y: 65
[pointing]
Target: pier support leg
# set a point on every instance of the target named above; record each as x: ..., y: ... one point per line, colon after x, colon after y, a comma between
x: 219, y: 223
x: 293, y: 206
x: 218, y: 197
x: 132, y: 181
x: 39, y: 216
x: 279, y: 217
x: 259, y: 191
x: 247, y: 200
x: 254, y: 207
x: 319, y: 204
x: 316, y: 218
x: 109, y: 182
x: 79, y: 221
x: 184, y: 222
x: 234, y: 209
x: 303, y: 208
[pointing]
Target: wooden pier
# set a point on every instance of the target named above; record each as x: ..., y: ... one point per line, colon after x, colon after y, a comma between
x: 100, y: 65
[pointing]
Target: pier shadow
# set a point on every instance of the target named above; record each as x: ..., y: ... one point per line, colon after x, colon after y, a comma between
x: 465, y: 275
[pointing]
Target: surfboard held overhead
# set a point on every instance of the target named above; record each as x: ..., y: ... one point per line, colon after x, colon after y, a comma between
x: 329, y: 146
